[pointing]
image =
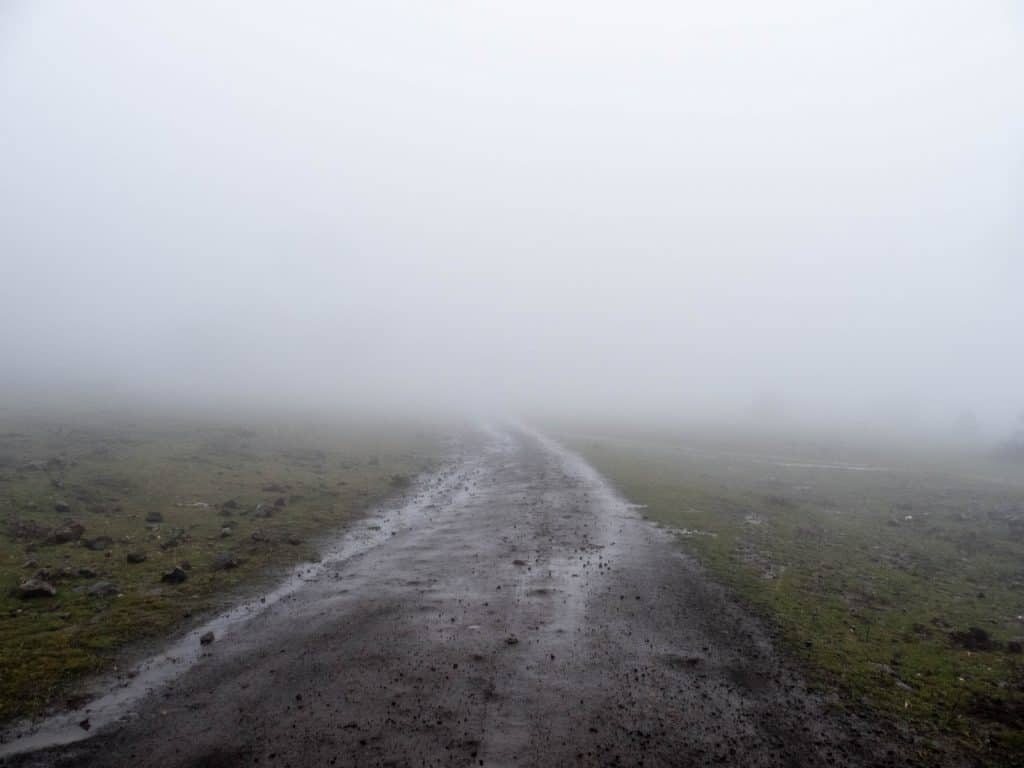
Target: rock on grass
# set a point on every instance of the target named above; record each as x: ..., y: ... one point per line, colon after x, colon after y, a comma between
x: 31, y: 588
x: 174, y: 576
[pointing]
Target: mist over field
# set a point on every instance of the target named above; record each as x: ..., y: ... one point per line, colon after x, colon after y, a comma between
x: 655, y: 210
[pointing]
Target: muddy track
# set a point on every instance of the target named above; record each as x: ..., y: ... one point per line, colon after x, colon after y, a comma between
x: 516, y: 611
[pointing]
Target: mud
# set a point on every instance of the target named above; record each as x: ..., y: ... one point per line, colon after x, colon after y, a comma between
x: 515, y: 611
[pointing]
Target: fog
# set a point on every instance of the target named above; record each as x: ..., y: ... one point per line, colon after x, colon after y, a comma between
x: 659, y: 210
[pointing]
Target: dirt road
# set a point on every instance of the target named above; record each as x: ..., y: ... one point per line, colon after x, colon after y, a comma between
x: 514, y: 611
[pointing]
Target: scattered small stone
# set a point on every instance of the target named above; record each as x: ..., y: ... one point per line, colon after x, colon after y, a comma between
x: 280, y: 502
x: 103, y: 589
x: 98, y: 544
x: 87, y: 573
x: 154, y: 517
x: 294, y: 541
x: 1015, y: 647
x: 511, y: 640
x: 35, y: 588
x: 30, y: 564
x: 175, y: 538
x: 518, y: 562
x: 224, y: 562
x: 260, y: 536
x: 226, y: 531
x: 206, y: 638
x: 174, y: 576
x: 62, y: 507
x: 135, y: 558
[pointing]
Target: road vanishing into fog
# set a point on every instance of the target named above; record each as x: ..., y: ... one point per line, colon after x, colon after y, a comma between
x: 512, y: 610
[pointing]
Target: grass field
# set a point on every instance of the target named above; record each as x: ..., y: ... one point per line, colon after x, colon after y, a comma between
x: 897, y: 578
x: 100, y: 509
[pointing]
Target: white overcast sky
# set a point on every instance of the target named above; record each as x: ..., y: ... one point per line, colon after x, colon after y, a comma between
x: 667, y: 207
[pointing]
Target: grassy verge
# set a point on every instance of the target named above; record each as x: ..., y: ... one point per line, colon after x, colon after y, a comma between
x: 902, y: 585
x: 227, y: 504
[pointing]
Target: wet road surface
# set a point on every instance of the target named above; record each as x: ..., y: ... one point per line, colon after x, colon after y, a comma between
x: 513, y: 611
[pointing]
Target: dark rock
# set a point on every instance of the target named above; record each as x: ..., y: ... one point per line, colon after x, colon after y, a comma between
x: 275, y: 488
x: 175, y: 576
x: 134, y: 558
x: 974, y: 639
x: 30, y: 564
x: 1015, y: 646
x: 518, y: 562
x: 103, y: 589
x: 87, y: 573
x: 229, y: 504
x: 400, y: 481
x: 71, y: 530
x: 280, y: 501
x: 98, y: 544
x: 511, y: 640
x: 154, y: 517
x: 206, y: 638
x: 259, y: 536
x: 294, y: 540
x: 61, y: 507
x: 35, y: 588
x: 225, y: 531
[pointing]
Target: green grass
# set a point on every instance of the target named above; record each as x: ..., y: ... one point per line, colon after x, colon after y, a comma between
x: 864, y: 574
x: 112, y: 475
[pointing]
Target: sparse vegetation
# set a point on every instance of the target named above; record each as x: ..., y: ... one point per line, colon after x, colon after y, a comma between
x: 112, y: 534
x: 902, y: 585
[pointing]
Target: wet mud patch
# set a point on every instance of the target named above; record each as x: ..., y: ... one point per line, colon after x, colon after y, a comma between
x: 747, y: 679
